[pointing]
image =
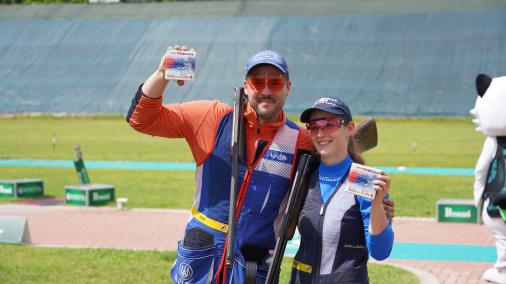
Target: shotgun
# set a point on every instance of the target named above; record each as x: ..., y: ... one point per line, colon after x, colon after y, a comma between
x: 236, y: 151
x: 290, y: 216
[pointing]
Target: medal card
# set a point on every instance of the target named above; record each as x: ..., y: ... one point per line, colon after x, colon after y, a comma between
x: 361, y: 180
x: 180, y: 64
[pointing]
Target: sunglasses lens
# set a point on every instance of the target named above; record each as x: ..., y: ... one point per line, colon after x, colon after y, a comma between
x: 257, y: 83
x: 276, y: 84
x: 313, y: 131
x: 327, y: 126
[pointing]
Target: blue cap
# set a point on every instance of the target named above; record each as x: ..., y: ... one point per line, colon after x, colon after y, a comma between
x: 333, y: 105
x: 267, y: 57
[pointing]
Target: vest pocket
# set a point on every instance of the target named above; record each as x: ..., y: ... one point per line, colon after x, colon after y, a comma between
x: 193, y: 265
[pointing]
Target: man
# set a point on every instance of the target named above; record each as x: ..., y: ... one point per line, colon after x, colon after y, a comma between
x: 272, y: 144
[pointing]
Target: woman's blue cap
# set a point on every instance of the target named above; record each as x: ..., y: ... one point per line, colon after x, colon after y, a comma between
x: 332, y: 105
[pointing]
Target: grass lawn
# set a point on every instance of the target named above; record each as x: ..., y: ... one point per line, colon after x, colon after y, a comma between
x: 439, y: 143
x: 24, y: 264
x: 100, y: 139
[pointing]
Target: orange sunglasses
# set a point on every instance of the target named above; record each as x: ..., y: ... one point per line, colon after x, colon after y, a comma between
x: 274, y: 84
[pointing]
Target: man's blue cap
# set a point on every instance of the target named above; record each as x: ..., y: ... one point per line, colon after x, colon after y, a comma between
x: 332, y: 105
x: 267, y: 57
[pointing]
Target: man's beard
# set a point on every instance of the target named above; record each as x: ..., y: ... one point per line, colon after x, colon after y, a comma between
x: 267, y: 114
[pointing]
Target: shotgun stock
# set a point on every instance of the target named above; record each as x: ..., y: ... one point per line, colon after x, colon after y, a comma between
x: 366, y: 135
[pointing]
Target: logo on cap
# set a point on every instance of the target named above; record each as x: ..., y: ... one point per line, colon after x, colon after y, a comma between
x: 327, y: 101
x: 267, y: 55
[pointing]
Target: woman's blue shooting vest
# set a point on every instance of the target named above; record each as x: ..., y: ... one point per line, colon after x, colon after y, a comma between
x: 332, y: 248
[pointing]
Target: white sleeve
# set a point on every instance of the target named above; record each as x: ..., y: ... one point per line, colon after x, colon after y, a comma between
x: 481, y: 169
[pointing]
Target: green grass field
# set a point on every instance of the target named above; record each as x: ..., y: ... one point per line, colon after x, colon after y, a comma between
x: 22, y: 264
x: 439, y: 143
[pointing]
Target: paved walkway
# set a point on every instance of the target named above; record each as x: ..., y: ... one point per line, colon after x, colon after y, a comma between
x: 160, y: 229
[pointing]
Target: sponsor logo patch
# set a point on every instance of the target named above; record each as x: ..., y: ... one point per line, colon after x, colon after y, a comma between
x: 185, y: 272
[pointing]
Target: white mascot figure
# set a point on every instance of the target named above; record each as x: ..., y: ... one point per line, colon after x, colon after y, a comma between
x: 489, y: 183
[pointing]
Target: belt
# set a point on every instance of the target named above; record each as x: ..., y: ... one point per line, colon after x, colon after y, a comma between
x: 302, y: 266
x: 218, y: 226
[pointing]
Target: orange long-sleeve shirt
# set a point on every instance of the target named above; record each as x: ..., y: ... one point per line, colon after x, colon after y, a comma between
x: 197, y: 121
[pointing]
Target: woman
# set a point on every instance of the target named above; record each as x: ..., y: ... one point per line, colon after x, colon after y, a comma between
x: 338, y: 229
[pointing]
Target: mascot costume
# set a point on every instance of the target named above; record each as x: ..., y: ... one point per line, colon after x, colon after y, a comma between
x: 489, y: 183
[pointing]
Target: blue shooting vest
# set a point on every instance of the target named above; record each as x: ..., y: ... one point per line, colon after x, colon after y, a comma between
x: 332, y: 248
x: 259, y: 218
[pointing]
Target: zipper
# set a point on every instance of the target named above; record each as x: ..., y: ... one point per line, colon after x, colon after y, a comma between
x: 324, y: 205
x: 320, y: 244
x: 323, y: 209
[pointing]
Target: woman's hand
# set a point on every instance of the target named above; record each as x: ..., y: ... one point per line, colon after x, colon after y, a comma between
x: 389, y: 207
x: 382, y: 186
x: 380, y: 209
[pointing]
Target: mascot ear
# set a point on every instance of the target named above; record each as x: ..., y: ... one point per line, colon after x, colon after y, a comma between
x: 482, y: 83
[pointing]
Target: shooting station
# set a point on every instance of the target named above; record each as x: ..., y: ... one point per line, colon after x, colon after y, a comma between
x: 21, y: 188
x: 87, y: 193
x: 457, y: 211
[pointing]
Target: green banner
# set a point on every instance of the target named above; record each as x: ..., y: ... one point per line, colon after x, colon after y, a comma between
x: 6, y: 189
x: 75, y: 197
x: 458, y: 213
x: 30, y: 189
x: 101, y: 196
